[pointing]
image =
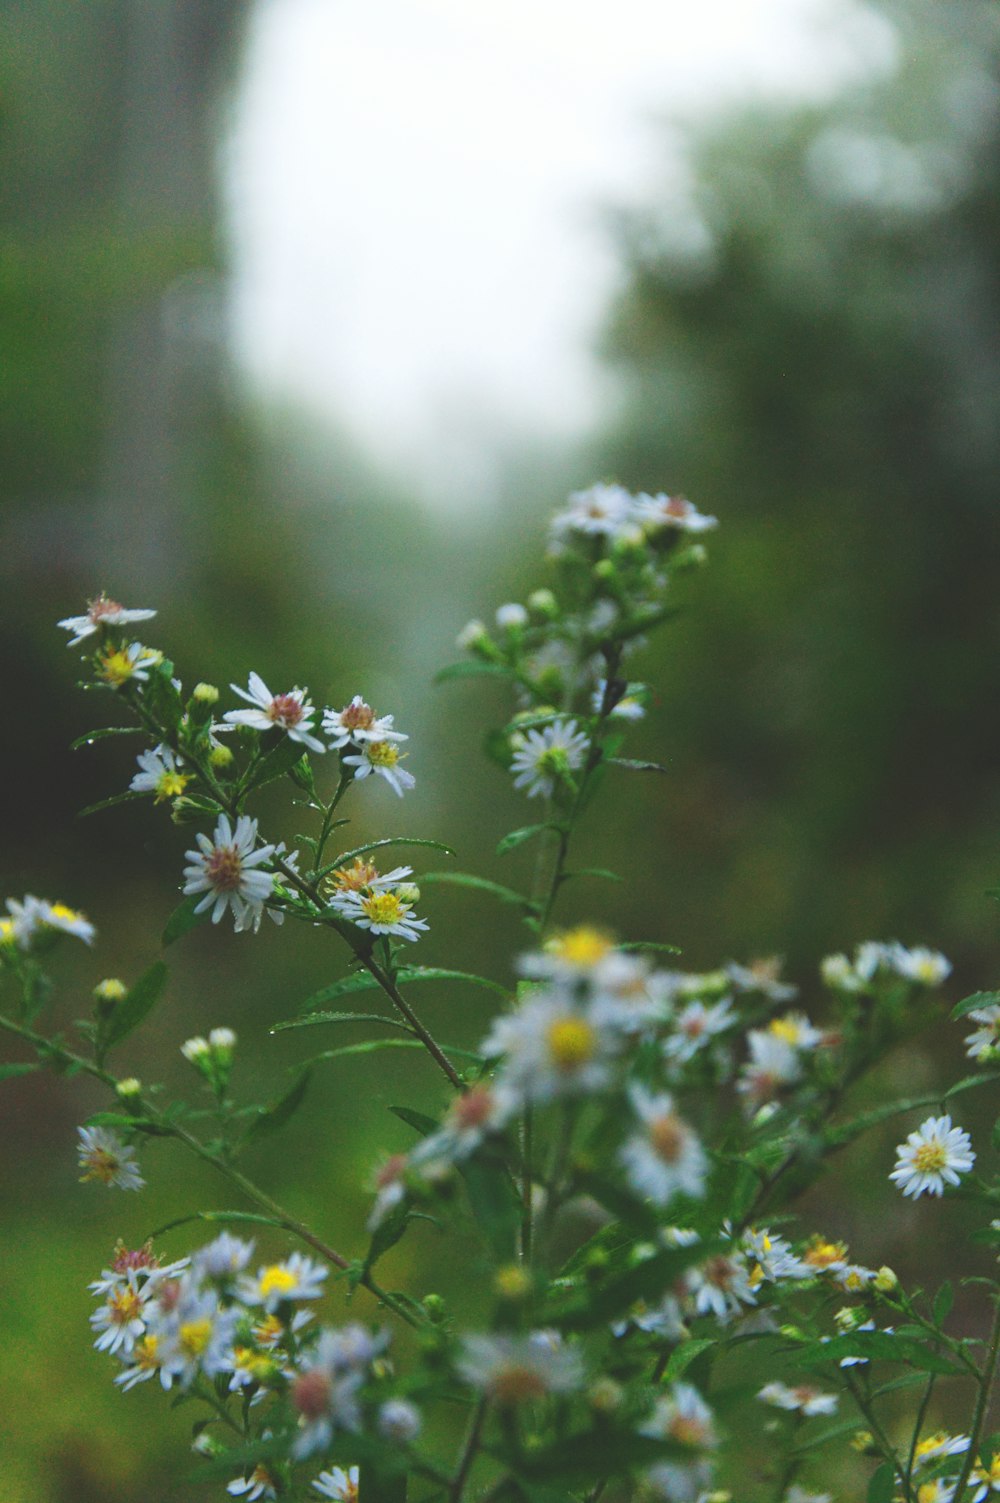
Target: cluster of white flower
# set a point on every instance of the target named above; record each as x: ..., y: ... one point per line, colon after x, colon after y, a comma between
x: 612, y: 512
x: 31, y: 919
x: 382, y: 903
x: 874, y: 960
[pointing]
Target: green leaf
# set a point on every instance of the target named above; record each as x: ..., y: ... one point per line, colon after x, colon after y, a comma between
x: 494, y: 1202
x: 877, y: 1346
x: 160, y: 697
x: 370, y: 1046
x: 635, y: 766
x: 346, y: 1017
x: 89, y: 737
x: 420, y: 1123
x: 604, y: 872
x: 363, y: 981
x: 281, y: 1111
x: 386, y: 1235
x: 518, y: 837
x: 274, y: 764
x: 682, y: 1357
x: 128, y: 797
x: 128, y: 1124
x: 977, y: 1000
x: 137, y: 1003
x: 579, y: 1459
x: 225, y: 1217
x: 473, y: 669
x: 377, y: 845
x: 480, y: 884
x: 652, y: 946
x: 648, y: 1280
x: 882, y: 1486
x: 11, y: 1071
x: 184, y: 918
x: 943, y: 1301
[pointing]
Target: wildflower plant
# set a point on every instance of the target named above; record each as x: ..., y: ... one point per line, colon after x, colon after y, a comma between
x: 677, y: 1116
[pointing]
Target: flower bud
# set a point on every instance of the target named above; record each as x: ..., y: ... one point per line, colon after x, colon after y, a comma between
x: 605, y: 1396
x: 512, y: 1282
x: 475, y: 638
x: 435, y: 1308
x: 543, y: 603
x: 107, y: 995
x: 128, y: 1089
x: 198, y: 1052
x: 222, y: 1042
x: 511, y: 617
x: 220, y: 758
x: 205, y: 694
x: 885, y: 1280
x: 407, y: 892
x: 398, y: 1421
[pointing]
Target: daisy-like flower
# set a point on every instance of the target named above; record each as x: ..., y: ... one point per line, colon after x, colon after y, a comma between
x: 794, y: 1028
x: 358, y: 722
x: 986, y: 1479
x: 103, y: 1156
x: 225, y: 870
x: 666, y: 1158
x: 656, y: 512
x: 32, y: 917
x: 601, y: 511
x: 261, y: 1483
x: 159, y: 774
x: 120, y: 1322
x: 326, y: 1392
x: 472, y: 1115
x: 298, y: 1277
x: 100, y: 613
x: 803, y: 1399
x: 823, y: 1256
x: 119, y: 665
x: 936, y: 1446
x: 763, y: 976
x: 551, y: 1049
x: 773, y: 1063
x: 682, y: 1416
x: 220, y: 1261
x: 381, y: 912
x: 195, y: 1335
x: 773, y: 1258
x: 516, y: 1369
x: 547, y: 757
x: 574, y: 955
x: 339, y: 1485
x: 390, y: 1189
x: 381, y: 757
x: 721, y: 1286
x: 935, y: 1154
x: 290, y: 712
x: 695, y: 1027
x: 143, y: 1363
x: 938, y: 1490
x: 984, y: 1044
x: 926, y: 967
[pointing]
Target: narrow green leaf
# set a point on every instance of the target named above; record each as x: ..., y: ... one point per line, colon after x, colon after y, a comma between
x: 275, y: 1116
x: 11, y: 1071
x: 518, y: 837
x: 128, y: 797
x: 184, y: 918
x: 377, y: 845
x: 882, y: 1487
x: 363, y: 981
x: 943, y: 1301
x: 347, y: 1017
x: 971, y: 1004
x: 89, y: 737
x: 225, y: 1217
x: 480, y: 884
x: 275, y: 763
x: 682, y: 1357
x: 161, y: 698
x: 604, y: 872
x: 137, y: 1003
x: 473, y: 669
x: 652, y: 946
x: 635, y: 766
x: 371, y: 1046
x: 494, y: 1203
x: 419, y: 1121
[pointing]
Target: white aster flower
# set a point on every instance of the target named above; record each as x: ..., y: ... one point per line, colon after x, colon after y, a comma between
x: 339, y: 1485
x: 550, y: 1049
x: 143, y: 1362
x: 159, y: 774
x: 721, y: 1286
x: 119, y: 665
x: 381, y: 757
x: 290, y: 712
x: 32, y: 917
x: 326, y: 1392
x: 381, y: 912
x: 839, y: 974
x: 260, y: 1483
x: 398, y: 1421
x: 194, y: 1334
x: 103, y: 1156
x: 225, y: 870
x: 298, y: 1277
x: 667, y: 1158
x: 985, y: 1042
x: 986, y: 1479
x: 695, y: 1027
x: 874, y: 956
x: 655, y: 512
x: 357, y: 722
x: 221, y: 1260
x: 773, y: 1063
x: 682, y: 1416
x: 794, y: 1028
x: 680, y: 1481
x: 803, y: 1398
x: 939, y: 1445
x: 515, y: 1369
x: 471, y: 1116
x: 120, y: 1321
x: 763, y: 976
x: 548, y: 757
x: 100, y: 613
x: 926, y: 967
x: 935, y: 1154
x: 773, y: 1258
x: 601, y: 511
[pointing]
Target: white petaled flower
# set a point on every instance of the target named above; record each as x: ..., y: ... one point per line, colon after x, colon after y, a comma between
x: 773, y: 1063
x: 339, y: 1485
x: 796, y: 1029
x: 381, y: 757
x: 548, y: 757
x: 631, y: 706
x: 326, y: 1392
x: 194, y: 1334
x: 358, y: 722
x: 602, y: 511
x: 290, y: 712
x: 681, y: 1481
x: 659, y: 511
x: 471, y: 1116
x: 682, y: 1416
x: 926, y: 967
x: 119, y: 665
x: 120, y: 1321
x: 773, y: 1258
x: 159, y: 774
x: 803, y: 1399
x: 839, y: 974
x: 381, y: 913
x: 936, y: 1154
x: 986, y: 1479
x: 721, y: 1286
x: 985, y: 1042
x: 550, y: 1049
x: 763, y: 976
x: 874, y: 956
x: 298, y: 1277
x: 695, y: 1027
x: 101, y: 612
x: 935, y: 1447
x: 511, y: 617
x: 225, y: 870
x: 667, y: 1158
x: 516, y: 1369
x: 939, y: 1490
x: 398, y: 1421
x: 390, y: 1189
x: 32, y: 917
x: 222, y: 1259
x: 103, y: 1156
x: 261, y: 1483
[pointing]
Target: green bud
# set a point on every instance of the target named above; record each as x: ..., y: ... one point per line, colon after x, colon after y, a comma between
x: 107, y: 995
x: 543, y: 603
x: 407, y: 892
x: 205, y: 694
x: 221, y: 758
x: 128, y: 1089
x: 435, y: 1308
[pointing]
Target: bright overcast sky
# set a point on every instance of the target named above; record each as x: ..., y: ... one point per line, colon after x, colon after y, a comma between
x: 416, y: 191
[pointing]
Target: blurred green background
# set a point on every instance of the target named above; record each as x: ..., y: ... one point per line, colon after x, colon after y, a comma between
x: 813, y: 356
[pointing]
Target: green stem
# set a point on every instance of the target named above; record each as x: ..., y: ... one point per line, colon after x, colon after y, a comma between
x: 918, y: 1426
x: 324, y: 834
x: 986, y: 1378
x: 885, y: 1446
x: 469, y: 1451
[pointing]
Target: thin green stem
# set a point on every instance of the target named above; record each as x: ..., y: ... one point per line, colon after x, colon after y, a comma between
x: 885, y: 1446
x: 469, y: 1451
x: 918, y: 1425
x: 981, y: 1410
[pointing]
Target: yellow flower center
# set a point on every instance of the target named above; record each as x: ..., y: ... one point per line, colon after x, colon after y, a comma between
x: 820, y: 1254
x: 688, y: 1431
x: 101, y: 1164
x: 224, y: 868
x: 666, y: 1134
x: 124, y: 1306
x: 571, y: 1042
x: 382, y: 753
x: 583, y: 947
x: 170, y: 784
x: 195, y: 1336
x: 277, y: 1280
x: 144, y: 1351
x: 384, y: 908
x: 786, y: 1029
x: 116, y: 667
x: 269, y: 1330
x: 930, y: 1158
x: 61, y: 911
x: 6, y: 931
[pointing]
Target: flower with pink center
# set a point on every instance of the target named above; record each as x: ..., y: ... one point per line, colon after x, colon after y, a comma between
x: 101, y: 612
x: 290, y: 712
x: 225, y: 870
x: 358, y: 723
x: 655, y: 512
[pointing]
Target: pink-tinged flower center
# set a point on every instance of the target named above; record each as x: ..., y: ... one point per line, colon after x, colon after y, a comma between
x: 139, y: 1257
x: 804, y: 1395
x: 391, y: 1171
x: 311, y: 1394
x: 677, y: 506
x: 688, y: 1431
x: 124, y: 1306
x: 515, y: 1385
x: 666, y: 1134
x: 285, y: 710
x: 102, y: 607
x: 473, y: 1109
x: 720, y: 1272
x: 694, y: 1026
x: 354, y: 878
x: 223, y: 868
x: 357, y: 717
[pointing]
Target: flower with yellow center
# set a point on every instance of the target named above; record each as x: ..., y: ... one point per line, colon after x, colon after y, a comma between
x: 381, y: 757
x: 580, y: 949
x: 159, y: 775
x: 117, y: 666
x: 297, y: 1278
x: 935, y: 1154
x: 551, y: 1049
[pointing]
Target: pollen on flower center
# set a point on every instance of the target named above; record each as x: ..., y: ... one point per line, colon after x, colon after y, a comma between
x: 223, y: 868
x: 687, y: 1431
x: 285, y: 710
x: 195, y: 1335
x: 571, y: 1042
x: 117, y: 667
x: 125, y: 1306
x: 277, y: 1280
x: 667, y: 1137
x: 930, y: 1158
x: 583, y: 947
x: 357, y: 717
x: 101, y: 607
x: 101, y: 1164
x: 382, y: 753
x: 353, y: 878
x: 516, y: 1385
x: 170, y: 784
x: 384, y: 908
x: 553, y: 759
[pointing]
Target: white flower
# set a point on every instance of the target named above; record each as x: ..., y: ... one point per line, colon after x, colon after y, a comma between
x: 988, y: 1479
x: 381, y: 912
x: 936, y: 1446
x: 548, y: 757
x: 873, y: 956
x: 381, y: 757
x: 985, y: 1042
x: 259, y: 1484
x: 194, y: 1334
x: 935, y: 1154
x: 763, y: 976
x: 659, y: 511
x: 358, y: 722
x: 926, y: 967
x: 471, y: 1115
x: 289, y: 712
x: 511, y: 617
x: 31, y: 917
x: 721, y: 1286
x: 118, y: 665
x: 838, y: 973
x: 774, y: 1258
x: 398, y: 1421
x: 631, y: 706
x: 120, y: 1322
x: 682, y: 1416
x: 224, y: 869
x: 803, y: 1399
x: 667, y: 1158
x: 298, y: 1277
x: 326, y: 1392
x: 101, y: 612
x: 515, y: 1369
x: 773, y: 1063
x: 695, y: 1027
x: 795, y: 1029
x: 680, y: 1481
x: 339, y: 1485
x: 159, y: 774
x: 103, y: 1156
x: 472, y: 632
x: 551, y: 1049
x: 601, y: 511
x: 222, y: 1259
